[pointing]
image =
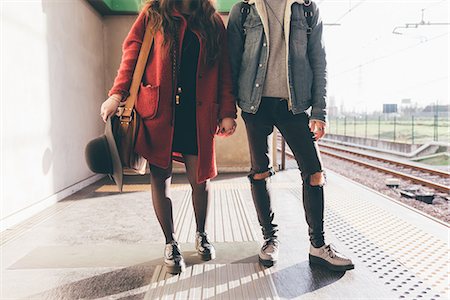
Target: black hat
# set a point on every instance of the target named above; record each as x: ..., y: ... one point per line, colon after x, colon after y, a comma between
x: 103, y: 157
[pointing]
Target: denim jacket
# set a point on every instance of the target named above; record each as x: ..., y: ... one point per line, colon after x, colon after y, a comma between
x: 306, y: 62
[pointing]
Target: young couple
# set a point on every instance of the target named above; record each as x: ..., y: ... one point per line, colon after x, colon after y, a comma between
x: 273, y: 63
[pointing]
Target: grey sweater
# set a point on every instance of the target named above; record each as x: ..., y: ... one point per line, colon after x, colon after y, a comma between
x: 276, y: 78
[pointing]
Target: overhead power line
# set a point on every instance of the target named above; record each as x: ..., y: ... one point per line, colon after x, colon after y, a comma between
x: 352, y: 8
x: 371, y: 61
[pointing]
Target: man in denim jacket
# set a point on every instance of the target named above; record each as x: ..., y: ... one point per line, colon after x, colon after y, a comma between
x: 279, y: 72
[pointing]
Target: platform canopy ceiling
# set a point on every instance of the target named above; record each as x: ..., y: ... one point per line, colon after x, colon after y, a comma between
x: 124, y: 7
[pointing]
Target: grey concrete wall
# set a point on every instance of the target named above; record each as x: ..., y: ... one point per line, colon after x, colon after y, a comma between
x: 52, y: 85
x: 232, y: 152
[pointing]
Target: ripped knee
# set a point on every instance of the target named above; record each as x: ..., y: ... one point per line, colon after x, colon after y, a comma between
x: 261, y: 176
x: 317, y: 179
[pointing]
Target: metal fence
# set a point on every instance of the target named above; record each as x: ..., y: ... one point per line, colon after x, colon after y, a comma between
x: 412, y: 129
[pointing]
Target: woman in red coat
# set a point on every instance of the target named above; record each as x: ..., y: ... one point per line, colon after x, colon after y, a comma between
x: 184, y: 100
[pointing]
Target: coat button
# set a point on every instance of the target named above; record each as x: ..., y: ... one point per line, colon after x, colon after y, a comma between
x: 260, y: 65
x: 252, y: 107
x: 264, y: 44
x: 257, y: 85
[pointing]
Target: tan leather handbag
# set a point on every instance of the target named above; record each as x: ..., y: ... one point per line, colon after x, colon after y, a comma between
x: 125, y: 127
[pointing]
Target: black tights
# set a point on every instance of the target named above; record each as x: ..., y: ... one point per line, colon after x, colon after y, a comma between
x: 160, y: 183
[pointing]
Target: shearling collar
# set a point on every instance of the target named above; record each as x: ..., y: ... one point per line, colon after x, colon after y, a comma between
x: 261, y: 9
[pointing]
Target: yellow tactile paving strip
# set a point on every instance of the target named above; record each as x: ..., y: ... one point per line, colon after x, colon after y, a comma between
x: 128, y: 188
x: 228, y: 219
x: 218, y: 281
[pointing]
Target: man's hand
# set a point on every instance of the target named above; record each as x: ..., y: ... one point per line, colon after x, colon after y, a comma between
x: 227, y: 126
x: 318, y: 128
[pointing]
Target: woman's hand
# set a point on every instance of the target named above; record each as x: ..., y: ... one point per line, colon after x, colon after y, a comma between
x: 110, y: 106
x: 227, y: 126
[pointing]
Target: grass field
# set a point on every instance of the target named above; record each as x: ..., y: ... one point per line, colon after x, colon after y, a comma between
x: 401, y: 130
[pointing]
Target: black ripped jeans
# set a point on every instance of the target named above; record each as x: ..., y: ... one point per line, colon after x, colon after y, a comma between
x: 295, y: 129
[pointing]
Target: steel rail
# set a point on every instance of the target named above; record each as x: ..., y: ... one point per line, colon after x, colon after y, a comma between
x: 401, y: 164
x: 415, y: 179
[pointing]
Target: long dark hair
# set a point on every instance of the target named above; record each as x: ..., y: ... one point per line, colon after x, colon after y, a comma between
x: 203, y: 18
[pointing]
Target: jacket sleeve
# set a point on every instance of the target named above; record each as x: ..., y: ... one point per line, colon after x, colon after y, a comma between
x: 317, y: 58
x: 227, y: 100
x: 130, y: 52
x: 236, y: 43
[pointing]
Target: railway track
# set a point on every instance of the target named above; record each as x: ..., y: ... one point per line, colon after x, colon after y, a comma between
x: 395, y: 162
x: 432, y: 178
x: 435, y: 179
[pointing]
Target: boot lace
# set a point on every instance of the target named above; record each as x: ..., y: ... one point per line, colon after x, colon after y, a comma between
x: 331, y: 250
x: 203, y: 238
x: 270, y: 242
x: 174, y: 250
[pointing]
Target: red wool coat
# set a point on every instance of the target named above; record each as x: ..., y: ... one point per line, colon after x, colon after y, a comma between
x: 214, y: 97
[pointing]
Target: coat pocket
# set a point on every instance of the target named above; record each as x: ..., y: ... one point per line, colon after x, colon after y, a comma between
x: 214, y: 118
x: 147, y: 101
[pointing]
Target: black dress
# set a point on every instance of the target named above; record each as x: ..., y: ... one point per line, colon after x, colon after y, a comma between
x: 185, y: 131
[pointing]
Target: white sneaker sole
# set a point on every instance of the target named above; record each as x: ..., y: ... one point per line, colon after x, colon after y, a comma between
x: 338, y: 268
x: 267, y: 262
x: 207, y: 256
x: 176, y: 269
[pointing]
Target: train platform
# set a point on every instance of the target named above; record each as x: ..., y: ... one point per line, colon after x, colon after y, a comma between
x: 99, y: 244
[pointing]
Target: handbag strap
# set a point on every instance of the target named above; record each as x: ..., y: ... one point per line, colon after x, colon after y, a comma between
x: 147, y: 44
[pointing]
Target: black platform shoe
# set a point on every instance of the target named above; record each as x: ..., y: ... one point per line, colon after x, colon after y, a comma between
x: 173, y: 259
x: 204, y: 248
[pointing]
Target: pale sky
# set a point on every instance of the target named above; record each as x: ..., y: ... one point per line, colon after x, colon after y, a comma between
x: 369, y: 65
